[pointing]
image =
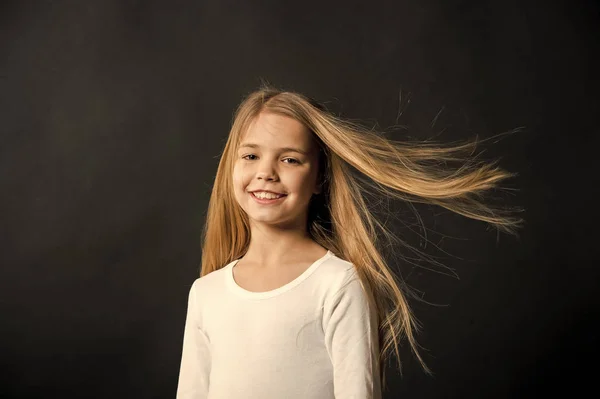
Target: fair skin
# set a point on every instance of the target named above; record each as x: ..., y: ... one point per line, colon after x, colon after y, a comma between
x: 278, y: 230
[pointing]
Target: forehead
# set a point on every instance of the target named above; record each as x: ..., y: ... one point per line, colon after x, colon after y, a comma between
x: 270, y: 130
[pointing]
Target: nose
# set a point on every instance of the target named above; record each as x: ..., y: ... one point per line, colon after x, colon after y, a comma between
x: 266, y: 171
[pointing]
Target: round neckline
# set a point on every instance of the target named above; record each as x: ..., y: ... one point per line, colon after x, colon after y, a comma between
x: 233, y: 285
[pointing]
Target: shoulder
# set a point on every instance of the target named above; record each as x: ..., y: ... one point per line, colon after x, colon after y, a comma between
x: 346, y: 294
x: 336, y: 274
x: 212, y: 282
x: 346, y: 284
x: 336, y: 267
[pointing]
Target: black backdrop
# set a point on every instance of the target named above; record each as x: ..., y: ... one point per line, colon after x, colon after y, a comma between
x: 113, y: 115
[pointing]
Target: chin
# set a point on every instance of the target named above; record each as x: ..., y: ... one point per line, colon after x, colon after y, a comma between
x: 267, y: 221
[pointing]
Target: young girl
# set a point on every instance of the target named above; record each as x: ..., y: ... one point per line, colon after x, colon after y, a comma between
x: 295, y: 299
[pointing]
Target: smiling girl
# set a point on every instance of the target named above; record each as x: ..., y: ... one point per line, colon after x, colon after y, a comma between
x: 295, y: 299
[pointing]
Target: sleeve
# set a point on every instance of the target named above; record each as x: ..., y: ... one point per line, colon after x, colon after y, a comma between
x: 351, y: 339
x: 195, y: 359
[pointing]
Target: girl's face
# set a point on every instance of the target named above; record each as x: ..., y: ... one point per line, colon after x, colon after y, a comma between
x: 278, y: 154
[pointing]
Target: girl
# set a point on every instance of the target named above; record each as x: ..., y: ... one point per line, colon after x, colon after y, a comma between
x: 295, y: 299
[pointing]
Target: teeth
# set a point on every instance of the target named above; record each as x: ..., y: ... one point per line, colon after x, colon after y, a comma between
x: 264, y: 195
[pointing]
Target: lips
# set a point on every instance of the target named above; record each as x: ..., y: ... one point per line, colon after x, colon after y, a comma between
x: 266, y: 191
x: 269, y: 192
x: 268, y: 201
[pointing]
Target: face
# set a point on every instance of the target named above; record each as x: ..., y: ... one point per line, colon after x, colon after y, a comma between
x: 278, y: 154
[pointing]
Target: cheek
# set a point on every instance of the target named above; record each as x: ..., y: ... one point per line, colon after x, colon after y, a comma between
x: 238, y: 177
x: 239, y: 182
x: 303, y: 184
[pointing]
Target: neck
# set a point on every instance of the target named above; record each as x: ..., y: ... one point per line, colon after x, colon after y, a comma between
x: 272, y: 245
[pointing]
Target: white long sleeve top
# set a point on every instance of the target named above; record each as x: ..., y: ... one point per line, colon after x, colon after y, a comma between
x: 313, y: 338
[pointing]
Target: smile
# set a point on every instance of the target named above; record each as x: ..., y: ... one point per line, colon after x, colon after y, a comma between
x: 268, y: 200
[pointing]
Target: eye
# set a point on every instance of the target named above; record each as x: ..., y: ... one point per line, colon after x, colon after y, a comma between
x: 293, y: 161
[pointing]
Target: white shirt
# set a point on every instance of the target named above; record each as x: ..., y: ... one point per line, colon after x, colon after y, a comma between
x: 313, y: 338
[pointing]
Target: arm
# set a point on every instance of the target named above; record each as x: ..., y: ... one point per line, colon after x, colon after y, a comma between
x: 351, y: 339
x: 195, y: 359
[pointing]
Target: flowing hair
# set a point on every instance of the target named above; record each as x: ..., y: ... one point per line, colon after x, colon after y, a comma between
x: 339, y: 218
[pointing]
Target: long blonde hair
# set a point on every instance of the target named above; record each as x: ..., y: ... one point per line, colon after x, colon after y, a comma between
x: 339, y: 218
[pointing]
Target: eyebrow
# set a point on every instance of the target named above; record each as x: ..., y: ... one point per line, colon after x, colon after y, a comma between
x: 282, y: 149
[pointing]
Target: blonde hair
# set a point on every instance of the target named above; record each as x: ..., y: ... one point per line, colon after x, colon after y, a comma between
x: 339, y: 218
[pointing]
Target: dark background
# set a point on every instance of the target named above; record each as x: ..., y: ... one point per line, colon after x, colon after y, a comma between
x: 112, y: 118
